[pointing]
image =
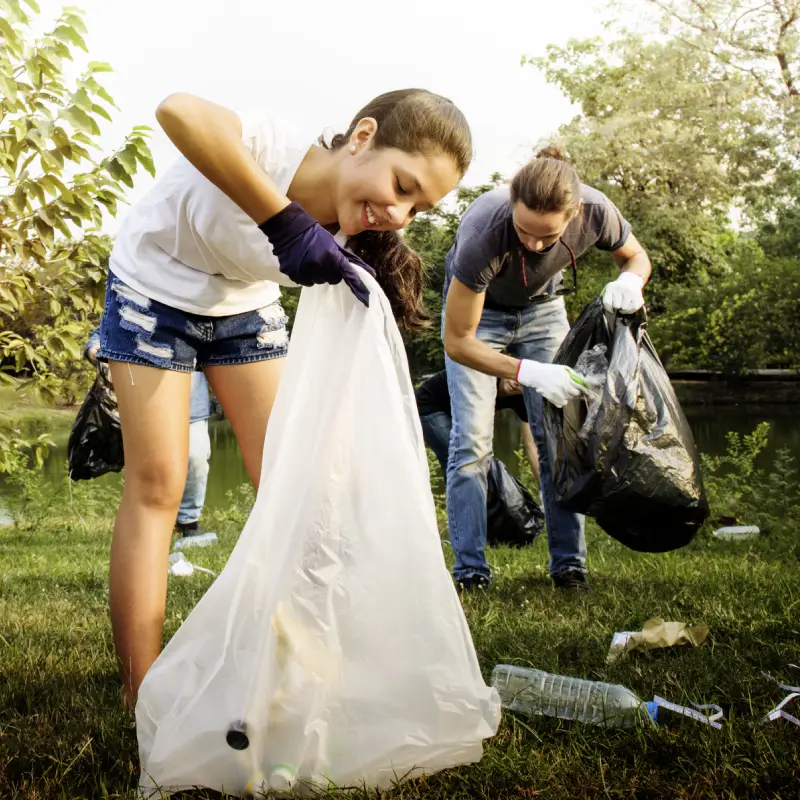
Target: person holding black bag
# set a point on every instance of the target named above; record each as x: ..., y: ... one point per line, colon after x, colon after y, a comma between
x: 504, y: 317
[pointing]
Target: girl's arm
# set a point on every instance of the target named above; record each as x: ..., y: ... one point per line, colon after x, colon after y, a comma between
x: 210, y: 137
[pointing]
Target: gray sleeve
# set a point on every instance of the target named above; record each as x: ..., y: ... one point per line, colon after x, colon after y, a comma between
x: 474, y: 258
x: 608, y: 225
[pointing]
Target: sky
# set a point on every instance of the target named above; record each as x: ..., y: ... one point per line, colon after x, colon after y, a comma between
x: 317, y: 63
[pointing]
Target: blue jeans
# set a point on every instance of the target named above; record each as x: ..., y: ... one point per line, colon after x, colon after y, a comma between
x: 194, y: 493
x: 138, y: 330
x: 436, y: 432
x: 534, y: 333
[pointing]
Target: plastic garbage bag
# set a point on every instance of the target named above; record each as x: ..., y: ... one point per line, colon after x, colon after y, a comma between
x: 332, y: 648
x: 95, y: 442
x: 513, y: 517
x: 625, y: 454
x: 592, y: 366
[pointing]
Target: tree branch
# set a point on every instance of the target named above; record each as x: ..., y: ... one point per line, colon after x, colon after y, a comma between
x: 728, y: 63
x: 743, y: 15
x: 705, y: 13
x: 671, y: 12
x: 780, y: 54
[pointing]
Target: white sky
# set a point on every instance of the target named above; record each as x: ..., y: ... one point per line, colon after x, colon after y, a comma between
x: 318, y: 62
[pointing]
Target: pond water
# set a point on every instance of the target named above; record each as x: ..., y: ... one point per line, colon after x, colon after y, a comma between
x: 710, y: 426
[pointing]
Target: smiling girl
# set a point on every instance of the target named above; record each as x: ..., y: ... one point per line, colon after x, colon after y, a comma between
x: 193, y: 284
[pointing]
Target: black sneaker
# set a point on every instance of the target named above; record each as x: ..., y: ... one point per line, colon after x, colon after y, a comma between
x: 473, y: 582
x: 188, y: 529
x: 572, y: 580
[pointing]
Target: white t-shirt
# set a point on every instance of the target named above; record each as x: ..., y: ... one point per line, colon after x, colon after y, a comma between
x: 187, y: 245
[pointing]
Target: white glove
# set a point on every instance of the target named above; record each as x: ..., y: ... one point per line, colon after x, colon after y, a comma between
x: 624, y: 294
x: 554, y: 382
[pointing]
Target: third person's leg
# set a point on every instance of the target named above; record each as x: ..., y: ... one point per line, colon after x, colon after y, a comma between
x: 436, y: 433
x: 529, y: 448
x: 194, y: 492
x: 247, y: 393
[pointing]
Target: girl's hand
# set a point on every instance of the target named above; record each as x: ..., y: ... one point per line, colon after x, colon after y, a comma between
x: 309, y: 255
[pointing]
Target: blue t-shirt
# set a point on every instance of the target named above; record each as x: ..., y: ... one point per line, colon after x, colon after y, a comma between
x: 487, y: 255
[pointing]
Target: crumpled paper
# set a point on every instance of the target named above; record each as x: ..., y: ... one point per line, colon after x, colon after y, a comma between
x: 656, y: 633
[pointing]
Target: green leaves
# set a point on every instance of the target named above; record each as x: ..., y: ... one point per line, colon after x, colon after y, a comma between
x: 8, y: 87
x: 68, y: 34
x: 14, y: 12
x: 54, y: 189
x: 80, y: 120
x: 685, y: 127
x: 16, y: 451
x: 124, y: 164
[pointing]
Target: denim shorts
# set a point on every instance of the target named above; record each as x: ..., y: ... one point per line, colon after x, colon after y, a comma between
x: 138, y: 330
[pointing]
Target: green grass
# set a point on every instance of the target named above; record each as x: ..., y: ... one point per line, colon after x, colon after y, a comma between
x: 63, y: 734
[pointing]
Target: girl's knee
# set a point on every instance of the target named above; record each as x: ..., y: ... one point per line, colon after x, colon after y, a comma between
x: 158, y: 484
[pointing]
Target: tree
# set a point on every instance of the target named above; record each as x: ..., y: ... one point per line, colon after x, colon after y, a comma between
x: 758, y: 40
x: 54, y: 189
x: 670, y: 136
x: 691, y: 128
x: 747, y: 319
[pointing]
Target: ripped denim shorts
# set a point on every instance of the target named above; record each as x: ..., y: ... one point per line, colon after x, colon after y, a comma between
x: 138, y: 330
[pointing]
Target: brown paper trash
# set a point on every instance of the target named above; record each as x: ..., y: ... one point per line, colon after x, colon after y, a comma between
x: 656, y: 633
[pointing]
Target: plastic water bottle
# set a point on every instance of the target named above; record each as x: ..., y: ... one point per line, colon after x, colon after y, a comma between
x: 201, y: 540
x: 532, y: 691
x: 736, y: 533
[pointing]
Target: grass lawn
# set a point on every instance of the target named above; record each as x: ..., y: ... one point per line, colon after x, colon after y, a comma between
x: 63, y: 735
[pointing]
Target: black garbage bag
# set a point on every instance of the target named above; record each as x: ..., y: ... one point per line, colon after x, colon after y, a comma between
x: 513, y: 517
x: 95, y: 443
x: 625, y: 454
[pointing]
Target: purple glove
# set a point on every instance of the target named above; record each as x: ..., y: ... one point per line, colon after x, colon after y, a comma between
x: 309, y: 255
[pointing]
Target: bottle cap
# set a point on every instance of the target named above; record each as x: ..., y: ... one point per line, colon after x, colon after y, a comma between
x: 236, y: 737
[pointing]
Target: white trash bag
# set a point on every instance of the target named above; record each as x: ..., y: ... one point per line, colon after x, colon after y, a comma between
x: 332, y: 649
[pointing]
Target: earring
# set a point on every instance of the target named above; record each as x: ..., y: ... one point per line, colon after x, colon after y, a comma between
x: 352, y: 148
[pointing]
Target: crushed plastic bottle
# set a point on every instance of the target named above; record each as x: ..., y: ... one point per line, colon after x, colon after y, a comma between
x: 737, y: 533
x: 201, y: 540
x: 532, y: 691
x: 592, y: 366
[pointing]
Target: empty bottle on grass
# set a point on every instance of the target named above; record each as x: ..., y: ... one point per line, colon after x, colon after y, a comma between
x: 531, y: 691
x: 736, y: 533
